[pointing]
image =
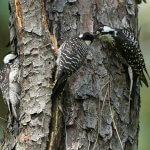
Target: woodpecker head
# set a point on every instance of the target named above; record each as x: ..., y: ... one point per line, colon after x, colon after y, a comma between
x: 9, y: 58
x: 106, y: 33
x: 87, y: 37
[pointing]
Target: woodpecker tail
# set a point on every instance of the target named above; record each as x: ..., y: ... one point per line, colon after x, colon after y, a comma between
x: 59, y: 86
x: 136, y: 82
x: 13, y: 110
x: 143, y: 77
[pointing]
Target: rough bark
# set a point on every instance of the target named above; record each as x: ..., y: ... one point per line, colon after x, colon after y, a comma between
x: 96, y: 113
x: 95, y: 102
x: 36, y: 63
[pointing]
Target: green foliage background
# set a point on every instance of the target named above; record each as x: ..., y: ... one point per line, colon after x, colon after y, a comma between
x: 4, y: 38
x: 144, y: 22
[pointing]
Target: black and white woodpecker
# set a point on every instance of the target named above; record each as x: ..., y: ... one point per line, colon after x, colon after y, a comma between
x: 9, y: 85
x: 70, y: 57
x: 128, y: 49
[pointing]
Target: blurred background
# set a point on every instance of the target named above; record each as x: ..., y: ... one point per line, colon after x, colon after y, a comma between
x: 144, y: 22
x: 4, y: 37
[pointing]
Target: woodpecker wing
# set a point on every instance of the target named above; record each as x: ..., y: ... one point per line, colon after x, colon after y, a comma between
x: 129, y: 48
x: 59, y: 86
x: 72, y: 55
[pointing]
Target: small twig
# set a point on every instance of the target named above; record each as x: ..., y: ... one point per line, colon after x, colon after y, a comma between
x: 105, y: 99
x: 131, y: 85
x: 111, y: 113
x: 72, y: 119
x: 105, y: 84
x: 78, y: 145
x: 89, y: 144
x: 45, y: 45
x: 100, y: 114
x: 78, y: 123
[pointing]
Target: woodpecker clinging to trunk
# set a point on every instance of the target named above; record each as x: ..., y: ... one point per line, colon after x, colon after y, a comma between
x: 9, y: 82
x: 70, y: 57
x: 128, y: 49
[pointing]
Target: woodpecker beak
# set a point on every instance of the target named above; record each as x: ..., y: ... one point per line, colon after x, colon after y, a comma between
x: 98, y: 34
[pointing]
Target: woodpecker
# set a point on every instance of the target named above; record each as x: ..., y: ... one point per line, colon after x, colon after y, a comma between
x: 70, y: 57
x: 128, y: 49
x: 9, y: 85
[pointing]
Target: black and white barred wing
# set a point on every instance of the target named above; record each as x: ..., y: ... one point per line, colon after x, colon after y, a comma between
x: 72, y: 54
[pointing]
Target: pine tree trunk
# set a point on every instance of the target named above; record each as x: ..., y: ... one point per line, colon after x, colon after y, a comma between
x: 95, y: 111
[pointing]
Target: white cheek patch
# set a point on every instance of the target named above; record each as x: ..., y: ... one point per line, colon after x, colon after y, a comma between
x: 107, y: 29
x: 9, y: 57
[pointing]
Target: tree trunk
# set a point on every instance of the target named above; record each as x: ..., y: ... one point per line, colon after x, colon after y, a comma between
x: 95, y: 103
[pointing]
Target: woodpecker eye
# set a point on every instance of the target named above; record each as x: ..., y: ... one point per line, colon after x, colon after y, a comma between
x: 11, y: 60
x: 101, y: 29
x: 97, y: 32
